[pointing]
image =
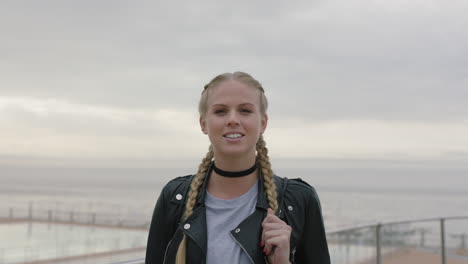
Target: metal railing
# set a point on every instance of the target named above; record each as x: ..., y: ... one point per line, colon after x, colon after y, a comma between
x: 441, y: 238
x: 69, y: 233
x: 76, y: 216
x: 135, y: 261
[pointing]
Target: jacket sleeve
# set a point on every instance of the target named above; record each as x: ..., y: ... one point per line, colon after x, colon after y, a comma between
x: 313, y: 247
x: 159, y: 233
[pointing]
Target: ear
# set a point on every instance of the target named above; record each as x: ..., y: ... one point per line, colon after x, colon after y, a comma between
x: 203, y: 125
x: 264, y: 123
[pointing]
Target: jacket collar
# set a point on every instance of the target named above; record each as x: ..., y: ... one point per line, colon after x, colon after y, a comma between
x: 262, y: 201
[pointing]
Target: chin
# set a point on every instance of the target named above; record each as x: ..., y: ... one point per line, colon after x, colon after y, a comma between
x: 235, y: 152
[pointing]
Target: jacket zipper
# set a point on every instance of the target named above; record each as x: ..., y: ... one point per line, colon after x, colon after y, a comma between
x: 165, y: 253
x: 245, y: 251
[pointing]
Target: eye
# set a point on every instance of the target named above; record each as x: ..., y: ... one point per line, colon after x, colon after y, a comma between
x: 246, y: 111
x: 220, y: 111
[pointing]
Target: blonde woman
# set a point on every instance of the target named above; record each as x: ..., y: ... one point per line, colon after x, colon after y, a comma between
x: 235, y: 210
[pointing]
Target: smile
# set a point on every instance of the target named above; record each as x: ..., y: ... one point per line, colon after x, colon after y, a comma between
x: 234, y: 135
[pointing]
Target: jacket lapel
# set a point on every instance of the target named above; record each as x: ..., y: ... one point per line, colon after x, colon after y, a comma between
x: 195, y: 228
x: 248, y: 235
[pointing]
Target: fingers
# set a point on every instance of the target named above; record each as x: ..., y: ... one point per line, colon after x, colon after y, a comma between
x: 271, y: 221
x: 272, y: 226
x: 275, y: 235
x: 271, y: 217
x: 276, y: 243
x: 268, y: 235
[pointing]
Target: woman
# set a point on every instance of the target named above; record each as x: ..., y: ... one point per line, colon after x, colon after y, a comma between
x: 234, y: 210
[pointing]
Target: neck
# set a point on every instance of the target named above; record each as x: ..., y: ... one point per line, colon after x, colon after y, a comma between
x: 239, y: 163
x: 229, y: 188
x: 234, y: 174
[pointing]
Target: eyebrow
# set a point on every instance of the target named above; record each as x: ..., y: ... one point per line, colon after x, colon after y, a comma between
x: 244, y: 104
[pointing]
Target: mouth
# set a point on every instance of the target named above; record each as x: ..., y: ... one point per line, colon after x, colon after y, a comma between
x: 233, y: 135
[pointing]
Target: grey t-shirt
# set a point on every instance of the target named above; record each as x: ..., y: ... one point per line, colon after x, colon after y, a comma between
x: 222, y: 216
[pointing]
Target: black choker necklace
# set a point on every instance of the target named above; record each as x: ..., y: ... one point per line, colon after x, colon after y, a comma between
x: 234, y: 174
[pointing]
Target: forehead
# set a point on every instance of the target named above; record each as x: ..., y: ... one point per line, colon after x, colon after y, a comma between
x: 233, y: 92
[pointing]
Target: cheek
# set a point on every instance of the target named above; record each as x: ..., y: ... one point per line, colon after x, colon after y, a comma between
x: 214, y: 124
x: 255, y: 123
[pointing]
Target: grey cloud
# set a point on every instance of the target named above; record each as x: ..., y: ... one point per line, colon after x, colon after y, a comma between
x: 320, y: 60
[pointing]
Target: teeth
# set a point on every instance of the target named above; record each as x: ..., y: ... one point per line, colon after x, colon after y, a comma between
x: 233, y: 136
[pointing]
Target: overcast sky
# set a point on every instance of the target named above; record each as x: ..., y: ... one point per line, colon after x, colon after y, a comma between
x: 113, y: 81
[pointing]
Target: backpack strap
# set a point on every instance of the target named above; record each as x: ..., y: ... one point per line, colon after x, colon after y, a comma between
x: 284, y: 184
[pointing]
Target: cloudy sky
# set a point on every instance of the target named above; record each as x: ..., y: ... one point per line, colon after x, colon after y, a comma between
x: 118, y: 81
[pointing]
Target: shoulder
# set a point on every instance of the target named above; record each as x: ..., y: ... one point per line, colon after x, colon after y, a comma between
x: 297, y: 191
x: 294, y: 185
x: 174, y: 183
x: 176, y: 188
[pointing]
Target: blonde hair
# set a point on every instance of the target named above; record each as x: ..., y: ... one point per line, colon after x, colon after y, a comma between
x: 262, y: 153
x: 236, y: 76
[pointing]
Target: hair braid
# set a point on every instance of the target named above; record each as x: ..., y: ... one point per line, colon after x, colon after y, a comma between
x: 197, y: 182
x: 192, y: 198
x: 270, y: 187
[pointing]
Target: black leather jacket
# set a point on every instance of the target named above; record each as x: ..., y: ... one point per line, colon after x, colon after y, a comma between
x: 299, y: 207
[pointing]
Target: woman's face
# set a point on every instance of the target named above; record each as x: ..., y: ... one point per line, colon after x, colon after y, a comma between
x: 233, y: 120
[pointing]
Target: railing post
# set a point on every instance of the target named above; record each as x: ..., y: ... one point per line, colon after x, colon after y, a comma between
x: 442, y: 240
x: 30, y: 211
x: 463, y: 247
x: 377, y: 243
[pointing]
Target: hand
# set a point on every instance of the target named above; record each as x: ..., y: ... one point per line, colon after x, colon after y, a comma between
x: 275, y: 238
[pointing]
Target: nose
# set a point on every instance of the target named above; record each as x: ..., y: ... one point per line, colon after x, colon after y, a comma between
x: 233, y: 119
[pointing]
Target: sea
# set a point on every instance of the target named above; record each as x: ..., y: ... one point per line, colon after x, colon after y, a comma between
x: 351, y: 192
